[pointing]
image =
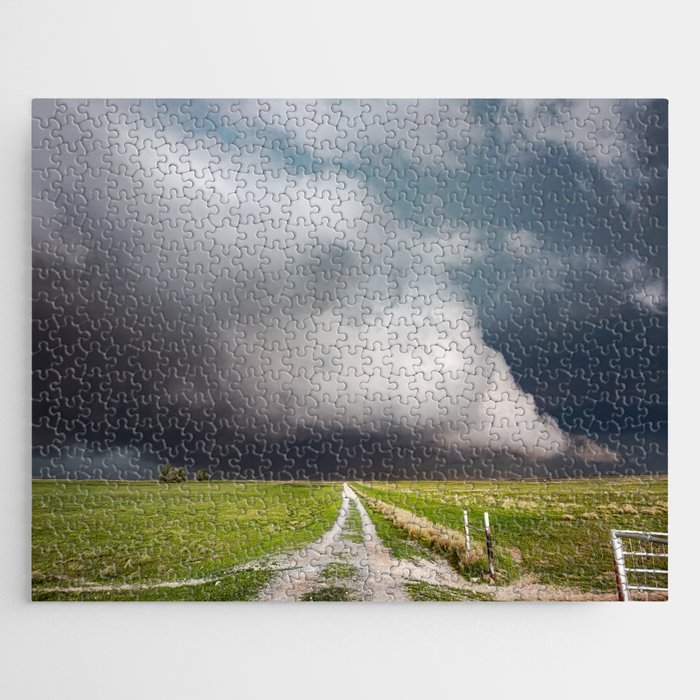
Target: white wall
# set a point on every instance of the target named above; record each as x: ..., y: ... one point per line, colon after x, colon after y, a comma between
x: 303, y: 48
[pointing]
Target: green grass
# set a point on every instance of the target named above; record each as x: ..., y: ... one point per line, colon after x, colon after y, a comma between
x: 353, y: 525
x: 561, y: 529
x: 242, y: 585
x: 133, y: 532
x: 327, y: 594
x: 421, y: 591
x: 129, y: 532
x: 396, y: 540
x: 339, y: 570
x: 403, y: 529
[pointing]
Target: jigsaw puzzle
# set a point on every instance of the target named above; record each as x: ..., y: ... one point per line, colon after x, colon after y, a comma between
x: 349, y: 350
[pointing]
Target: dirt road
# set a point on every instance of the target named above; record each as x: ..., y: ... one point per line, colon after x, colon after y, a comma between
x: 350, y: 562
x: 344, y: 566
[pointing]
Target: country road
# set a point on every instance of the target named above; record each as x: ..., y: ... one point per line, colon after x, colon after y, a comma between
x: 351, y: 563
x: 370, y: 572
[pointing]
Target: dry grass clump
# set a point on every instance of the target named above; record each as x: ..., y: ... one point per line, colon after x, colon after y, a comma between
x: 448, y: 541
x: 627, y: 508
x: 519, y: 504
x: 565, y: 505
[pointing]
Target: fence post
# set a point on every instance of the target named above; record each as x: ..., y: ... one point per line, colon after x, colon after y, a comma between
x: 467, y: 539
x: 620, y: 571
x: 489, y: 544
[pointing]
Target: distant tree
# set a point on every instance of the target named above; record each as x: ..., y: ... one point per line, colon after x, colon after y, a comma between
x: 202, y: 475
x: 172, y: 475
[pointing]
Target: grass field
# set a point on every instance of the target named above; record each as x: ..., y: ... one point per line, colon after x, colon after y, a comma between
x: 397, y: 541
x: 560, y: 529
x: 135, y: 532
x: 114, y: 533
x: 241, y: 585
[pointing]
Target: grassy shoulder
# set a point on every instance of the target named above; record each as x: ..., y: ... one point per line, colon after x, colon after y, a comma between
x: 131, y: 532
x: 240, y: 586
x: 424, y: 592
x: 395, y: 539
x: 560, y: 528
x: 448, y: 542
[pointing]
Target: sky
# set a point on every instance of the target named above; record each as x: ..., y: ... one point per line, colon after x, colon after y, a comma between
x: 349, y: 288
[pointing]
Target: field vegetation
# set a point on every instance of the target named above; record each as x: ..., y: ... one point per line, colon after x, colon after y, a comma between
x: 140, y: 533
x: 556, y: 530
x: 135, y: 532
x: 239, y: 586
x: 353, y: 525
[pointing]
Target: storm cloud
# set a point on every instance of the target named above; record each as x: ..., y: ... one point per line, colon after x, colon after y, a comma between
x: 349, y: 288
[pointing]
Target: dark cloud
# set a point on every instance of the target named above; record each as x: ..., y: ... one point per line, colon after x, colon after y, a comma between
x: 300, y: 290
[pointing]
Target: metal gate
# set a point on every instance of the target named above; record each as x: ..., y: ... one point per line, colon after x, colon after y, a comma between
x: 641, y: 562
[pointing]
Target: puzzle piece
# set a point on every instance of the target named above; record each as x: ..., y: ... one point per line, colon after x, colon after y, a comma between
x: 425, y: 293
